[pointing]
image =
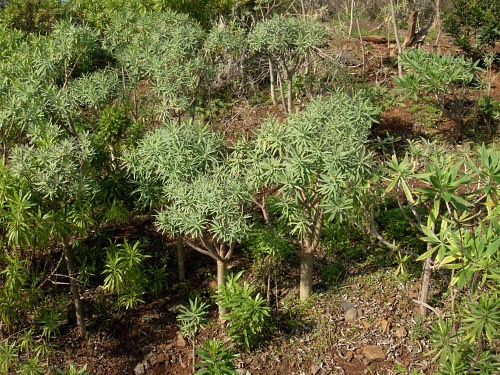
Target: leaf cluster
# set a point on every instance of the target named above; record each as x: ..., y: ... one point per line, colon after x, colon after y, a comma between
x: 125, y: 273
x: 216, y: 357
x: 247, y: 313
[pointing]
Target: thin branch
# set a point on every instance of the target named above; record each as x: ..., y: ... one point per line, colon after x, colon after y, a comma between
x: 199, y: 249
x: 372, y: 230
x: 426, y: 305
x: 52, y: 273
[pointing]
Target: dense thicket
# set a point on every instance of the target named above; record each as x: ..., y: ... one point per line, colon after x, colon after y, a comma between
x: 116, y: 111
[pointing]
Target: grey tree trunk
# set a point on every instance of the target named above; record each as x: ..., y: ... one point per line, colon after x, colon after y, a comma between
x: 396, y: 35
x: 282, y: 92
x: 438, y: 22
x: 80, y: 315
x: 181, y: 267
x: 426, y: 283
x: 273, y: 83
x: 306, y: 275
x: 289, y: 78
x: 221, y: 280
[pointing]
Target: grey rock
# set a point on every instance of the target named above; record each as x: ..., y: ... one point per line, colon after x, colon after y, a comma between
x: 139, y: 369
x: 351, y: 316
x: 346, y: 306
x: 374, y: 352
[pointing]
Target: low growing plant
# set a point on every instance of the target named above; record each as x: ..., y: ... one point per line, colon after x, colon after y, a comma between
x: 125, y: 273
x: 268, y: 250
x: 216, y: 358
x: 247, y: 312
x: 191, y: 319
x: 440, y: 80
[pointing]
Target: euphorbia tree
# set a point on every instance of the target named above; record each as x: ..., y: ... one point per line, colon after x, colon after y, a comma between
x: 444, y: 199
x: 168, y: 156
x: 210, y: 212
x: 58, y: 171
x: 164, y: 49
x: 311, y: 162
x: 34, y: 76
x: 286, y: 41
x: 441, y: 80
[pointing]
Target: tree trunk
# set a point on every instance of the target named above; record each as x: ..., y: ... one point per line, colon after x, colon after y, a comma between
x: 80, y: 315
x: 289, y: 78
x: 273, y: 83
x: 438, y: 22
x: 351, y: 18
x: 396, y: 35
x: 181, y: 268
x: 221, y: 280
x: 426, y: 283
x: 306, y: 275
x: 362, y: 45
x: 282, y: 92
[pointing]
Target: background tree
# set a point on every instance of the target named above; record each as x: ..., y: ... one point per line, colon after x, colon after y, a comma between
x: 442, y: 201
x: 286, y: 41
x: 473, y: 24
x: 443, y: 81
x: 311, y: 162
x: 58, y: 171
x: 164, y: 49
x: 33, y: 16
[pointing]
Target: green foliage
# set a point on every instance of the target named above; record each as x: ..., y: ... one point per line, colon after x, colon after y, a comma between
x: 24, y: 353
x: 33, y: 16
x: 73, y: 370
x: 316, y: 157
x: 18, y: 293
x: 247, y: 313
x: 164, y: 48
x: 216, y: 358
x: 31, y: 366
x: 125, y: 273
x: 209, y: 208
x: 332, y: 273
x: 224, y: 42
x: 425, y: 114
x: 461, y: 229
x: 8, y: 356
x: 489, y: 111
x: 263, y: 242
x: 100, y: 14
x: 58, y: 169
x: 287, y: 36
x: 50, y: 319
x: 268, y: 250
x: 169, y: 154
x: 157, y: 280
x: 286, y: 42
x: 225, y: 50
x: 441, y: 80
x: 192, y: 318
x: 474, y: 24
x: 92, y: 90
